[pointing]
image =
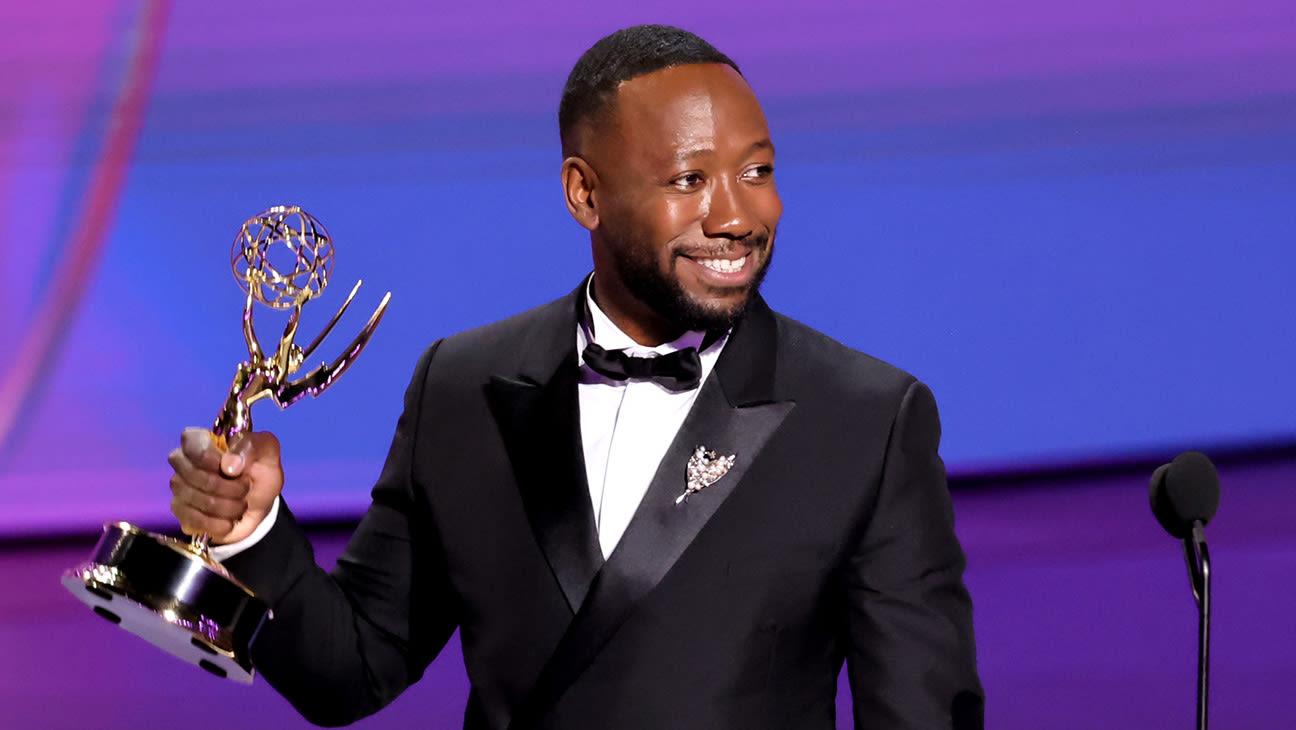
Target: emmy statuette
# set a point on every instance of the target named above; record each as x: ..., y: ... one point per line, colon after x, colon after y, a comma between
x: 170, y: 592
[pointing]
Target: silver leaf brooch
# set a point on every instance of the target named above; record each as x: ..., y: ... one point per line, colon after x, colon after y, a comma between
x: 704, y: 469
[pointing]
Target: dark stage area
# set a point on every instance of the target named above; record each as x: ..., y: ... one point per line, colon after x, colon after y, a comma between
x: 1084, y: 620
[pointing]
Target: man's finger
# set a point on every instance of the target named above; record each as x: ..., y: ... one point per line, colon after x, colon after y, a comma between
x: 221, y: 506
x: 199, y: 447
x: 193, y: 522
x: 204, y: 481
x: 232, y: 463
x: 255, y: 446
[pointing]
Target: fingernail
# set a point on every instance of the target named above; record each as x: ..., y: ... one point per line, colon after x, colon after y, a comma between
x: 233, y: 463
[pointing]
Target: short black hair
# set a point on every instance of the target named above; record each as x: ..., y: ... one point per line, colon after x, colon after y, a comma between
x: 624, y: 55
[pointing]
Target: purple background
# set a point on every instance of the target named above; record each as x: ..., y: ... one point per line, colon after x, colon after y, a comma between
x: 1083, y: 614
x: 1074, y: 222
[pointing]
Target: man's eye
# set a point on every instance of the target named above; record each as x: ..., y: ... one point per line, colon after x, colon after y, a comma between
x: 759, y: 172
x: 688, y: 180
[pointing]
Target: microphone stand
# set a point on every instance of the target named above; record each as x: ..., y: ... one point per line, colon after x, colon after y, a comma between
x: 1198, y: 559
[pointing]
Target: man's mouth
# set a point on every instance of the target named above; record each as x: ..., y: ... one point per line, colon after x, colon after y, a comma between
x: 724, y: 266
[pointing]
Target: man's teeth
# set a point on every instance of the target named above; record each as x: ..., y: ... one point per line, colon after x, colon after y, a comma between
x: 724, y: 266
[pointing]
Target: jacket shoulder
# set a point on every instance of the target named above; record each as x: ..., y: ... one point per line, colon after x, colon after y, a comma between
x: 810, y: 359
x: 502, y: 346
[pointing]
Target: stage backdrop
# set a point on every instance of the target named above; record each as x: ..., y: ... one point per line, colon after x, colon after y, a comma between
x: 1074, y: 221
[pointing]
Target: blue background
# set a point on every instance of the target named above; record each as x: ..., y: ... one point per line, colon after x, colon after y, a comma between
x: 1074, y: 223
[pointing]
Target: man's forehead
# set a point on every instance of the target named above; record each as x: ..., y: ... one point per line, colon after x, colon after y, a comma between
x: 686, y: 106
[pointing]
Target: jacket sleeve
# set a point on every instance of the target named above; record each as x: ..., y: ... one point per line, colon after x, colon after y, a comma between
x: 340, y: 646
x: 911, y: 658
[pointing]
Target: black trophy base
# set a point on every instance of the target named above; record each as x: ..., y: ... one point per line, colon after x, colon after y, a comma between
x: 173, y: 596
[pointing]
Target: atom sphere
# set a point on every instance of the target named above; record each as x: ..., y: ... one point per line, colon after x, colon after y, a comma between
x: 282, y: 257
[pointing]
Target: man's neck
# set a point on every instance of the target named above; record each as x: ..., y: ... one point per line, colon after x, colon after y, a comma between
x: 636, y: 320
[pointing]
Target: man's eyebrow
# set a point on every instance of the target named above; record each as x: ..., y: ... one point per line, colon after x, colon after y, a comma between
x: 689, y: 153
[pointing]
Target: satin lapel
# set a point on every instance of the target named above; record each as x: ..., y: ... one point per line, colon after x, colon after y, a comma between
x: 539, y: 418
x: 735, y: 413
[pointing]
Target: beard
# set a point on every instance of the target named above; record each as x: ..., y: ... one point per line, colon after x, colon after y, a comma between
x: 664, y: 294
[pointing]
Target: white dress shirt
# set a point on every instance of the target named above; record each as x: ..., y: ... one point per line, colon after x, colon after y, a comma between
x: 626, y: 427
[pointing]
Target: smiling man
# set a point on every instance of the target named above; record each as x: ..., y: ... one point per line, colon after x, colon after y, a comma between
x: 653, y: 503
x: 676, y: 187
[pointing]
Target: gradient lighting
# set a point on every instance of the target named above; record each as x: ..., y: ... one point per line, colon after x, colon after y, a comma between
x: 1073, y: 222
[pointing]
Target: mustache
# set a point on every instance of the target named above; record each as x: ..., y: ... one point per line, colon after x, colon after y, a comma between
x: 753, y: 242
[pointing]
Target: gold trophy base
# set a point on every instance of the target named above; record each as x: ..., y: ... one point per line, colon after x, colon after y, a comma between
x: 174, y: 596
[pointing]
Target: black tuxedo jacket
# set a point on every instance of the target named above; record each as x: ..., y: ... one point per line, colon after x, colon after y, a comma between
x: 830, y: 538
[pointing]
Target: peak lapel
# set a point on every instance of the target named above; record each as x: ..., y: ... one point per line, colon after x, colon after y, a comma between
x: 538, y: 415
x: 735, y: 413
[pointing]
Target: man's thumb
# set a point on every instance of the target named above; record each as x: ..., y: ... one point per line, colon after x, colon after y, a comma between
x: 236, y: 458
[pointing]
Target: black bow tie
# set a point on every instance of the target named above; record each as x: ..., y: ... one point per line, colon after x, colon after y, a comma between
x: 679, y: 370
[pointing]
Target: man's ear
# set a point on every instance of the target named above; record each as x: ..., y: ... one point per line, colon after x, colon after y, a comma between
x: 579, y: 182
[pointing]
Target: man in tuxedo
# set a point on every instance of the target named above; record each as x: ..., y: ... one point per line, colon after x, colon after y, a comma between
x: 653, y: 503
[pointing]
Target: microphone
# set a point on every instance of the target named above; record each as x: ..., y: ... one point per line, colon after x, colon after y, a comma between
x: 1185, y: 495
x: 1185, y: 491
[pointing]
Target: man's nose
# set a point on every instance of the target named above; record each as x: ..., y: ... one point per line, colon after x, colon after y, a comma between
x: 729, y: 214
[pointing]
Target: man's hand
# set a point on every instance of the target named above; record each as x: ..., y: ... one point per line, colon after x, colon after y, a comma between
x: 224, y: 494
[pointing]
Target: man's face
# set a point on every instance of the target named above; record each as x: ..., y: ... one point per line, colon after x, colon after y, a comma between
x: 687, y: 206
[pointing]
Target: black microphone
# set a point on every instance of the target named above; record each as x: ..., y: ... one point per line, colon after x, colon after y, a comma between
x: 1185, y: 495
x: 1185, y: 491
